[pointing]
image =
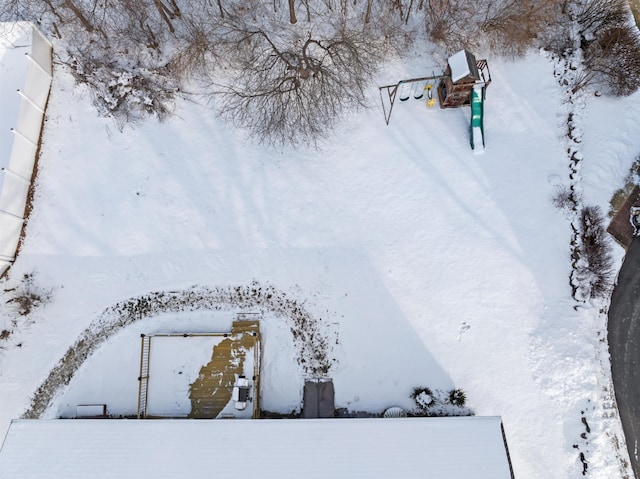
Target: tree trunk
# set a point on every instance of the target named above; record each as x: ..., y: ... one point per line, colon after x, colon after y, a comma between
x: 166, y: 13
x: 292, y: 12
x: 76, y: 11
x: 408, y: 12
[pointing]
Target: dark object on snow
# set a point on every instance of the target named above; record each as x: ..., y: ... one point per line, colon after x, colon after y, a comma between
x: 318, y: 400
x: 586, y: 424
x: 585, y: 465
x: 634, y: 218
x: 240, y: 393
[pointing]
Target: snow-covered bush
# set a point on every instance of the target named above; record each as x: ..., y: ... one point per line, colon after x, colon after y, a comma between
x: 120, y: 49
x: 457, y: 397
x: 564, y: 199
x: 124, y: 93
x: 594, y: 269
x: 437, y: 403
x: 27, y: 296
x: 423, y: 397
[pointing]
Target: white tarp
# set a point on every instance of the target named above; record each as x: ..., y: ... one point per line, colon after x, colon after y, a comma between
x: 36, y: 85
x: 29, y: 121
x: 4, y: 265
x: 23, y: 156
x: 406, y: 448
x: 10, y: 228
x: 13, y: 193
x: 41, y: 51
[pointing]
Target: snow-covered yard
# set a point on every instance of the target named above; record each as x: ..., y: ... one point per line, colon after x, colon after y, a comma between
x: 423, y: 263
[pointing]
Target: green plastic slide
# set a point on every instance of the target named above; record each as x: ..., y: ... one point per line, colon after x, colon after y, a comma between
x: 477, y: 114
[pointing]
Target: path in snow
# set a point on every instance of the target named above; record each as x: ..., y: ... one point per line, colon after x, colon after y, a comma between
x: 309, y: 335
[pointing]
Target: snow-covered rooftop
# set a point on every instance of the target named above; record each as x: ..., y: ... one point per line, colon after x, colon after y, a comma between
x: 460, y: 447
x: 461, y: 65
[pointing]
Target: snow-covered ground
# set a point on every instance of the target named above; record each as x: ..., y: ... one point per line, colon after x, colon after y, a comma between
x: 428, y: 264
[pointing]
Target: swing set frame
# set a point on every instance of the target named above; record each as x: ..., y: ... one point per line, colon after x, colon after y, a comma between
x: 392, y: 92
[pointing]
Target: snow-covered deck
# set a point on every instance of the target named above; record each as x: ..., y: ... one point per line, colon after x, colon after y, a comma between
x: 461, y: 447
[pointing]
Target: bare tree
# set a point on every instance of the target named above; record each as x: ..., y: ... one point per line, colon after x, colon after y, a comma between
x: 452, y: 23
x: 168, y: 12
x: 506, y: 26
x: 77, y: 11
x: 513, y: 26
x: 292, y: 93
x: 595, y: 15
x: 196, y: 54
x: 610, y: 46
x: 612, y: 62
x: 289, y: 83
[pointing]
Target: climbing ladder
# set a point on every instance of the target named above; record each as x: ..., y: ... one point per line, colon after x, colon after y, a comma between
x: 143, y: 379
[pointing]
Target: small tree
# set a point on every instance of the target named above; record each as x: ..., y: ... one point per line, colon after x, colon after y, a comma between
x: 594, y: 271
x: 27, y: 296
